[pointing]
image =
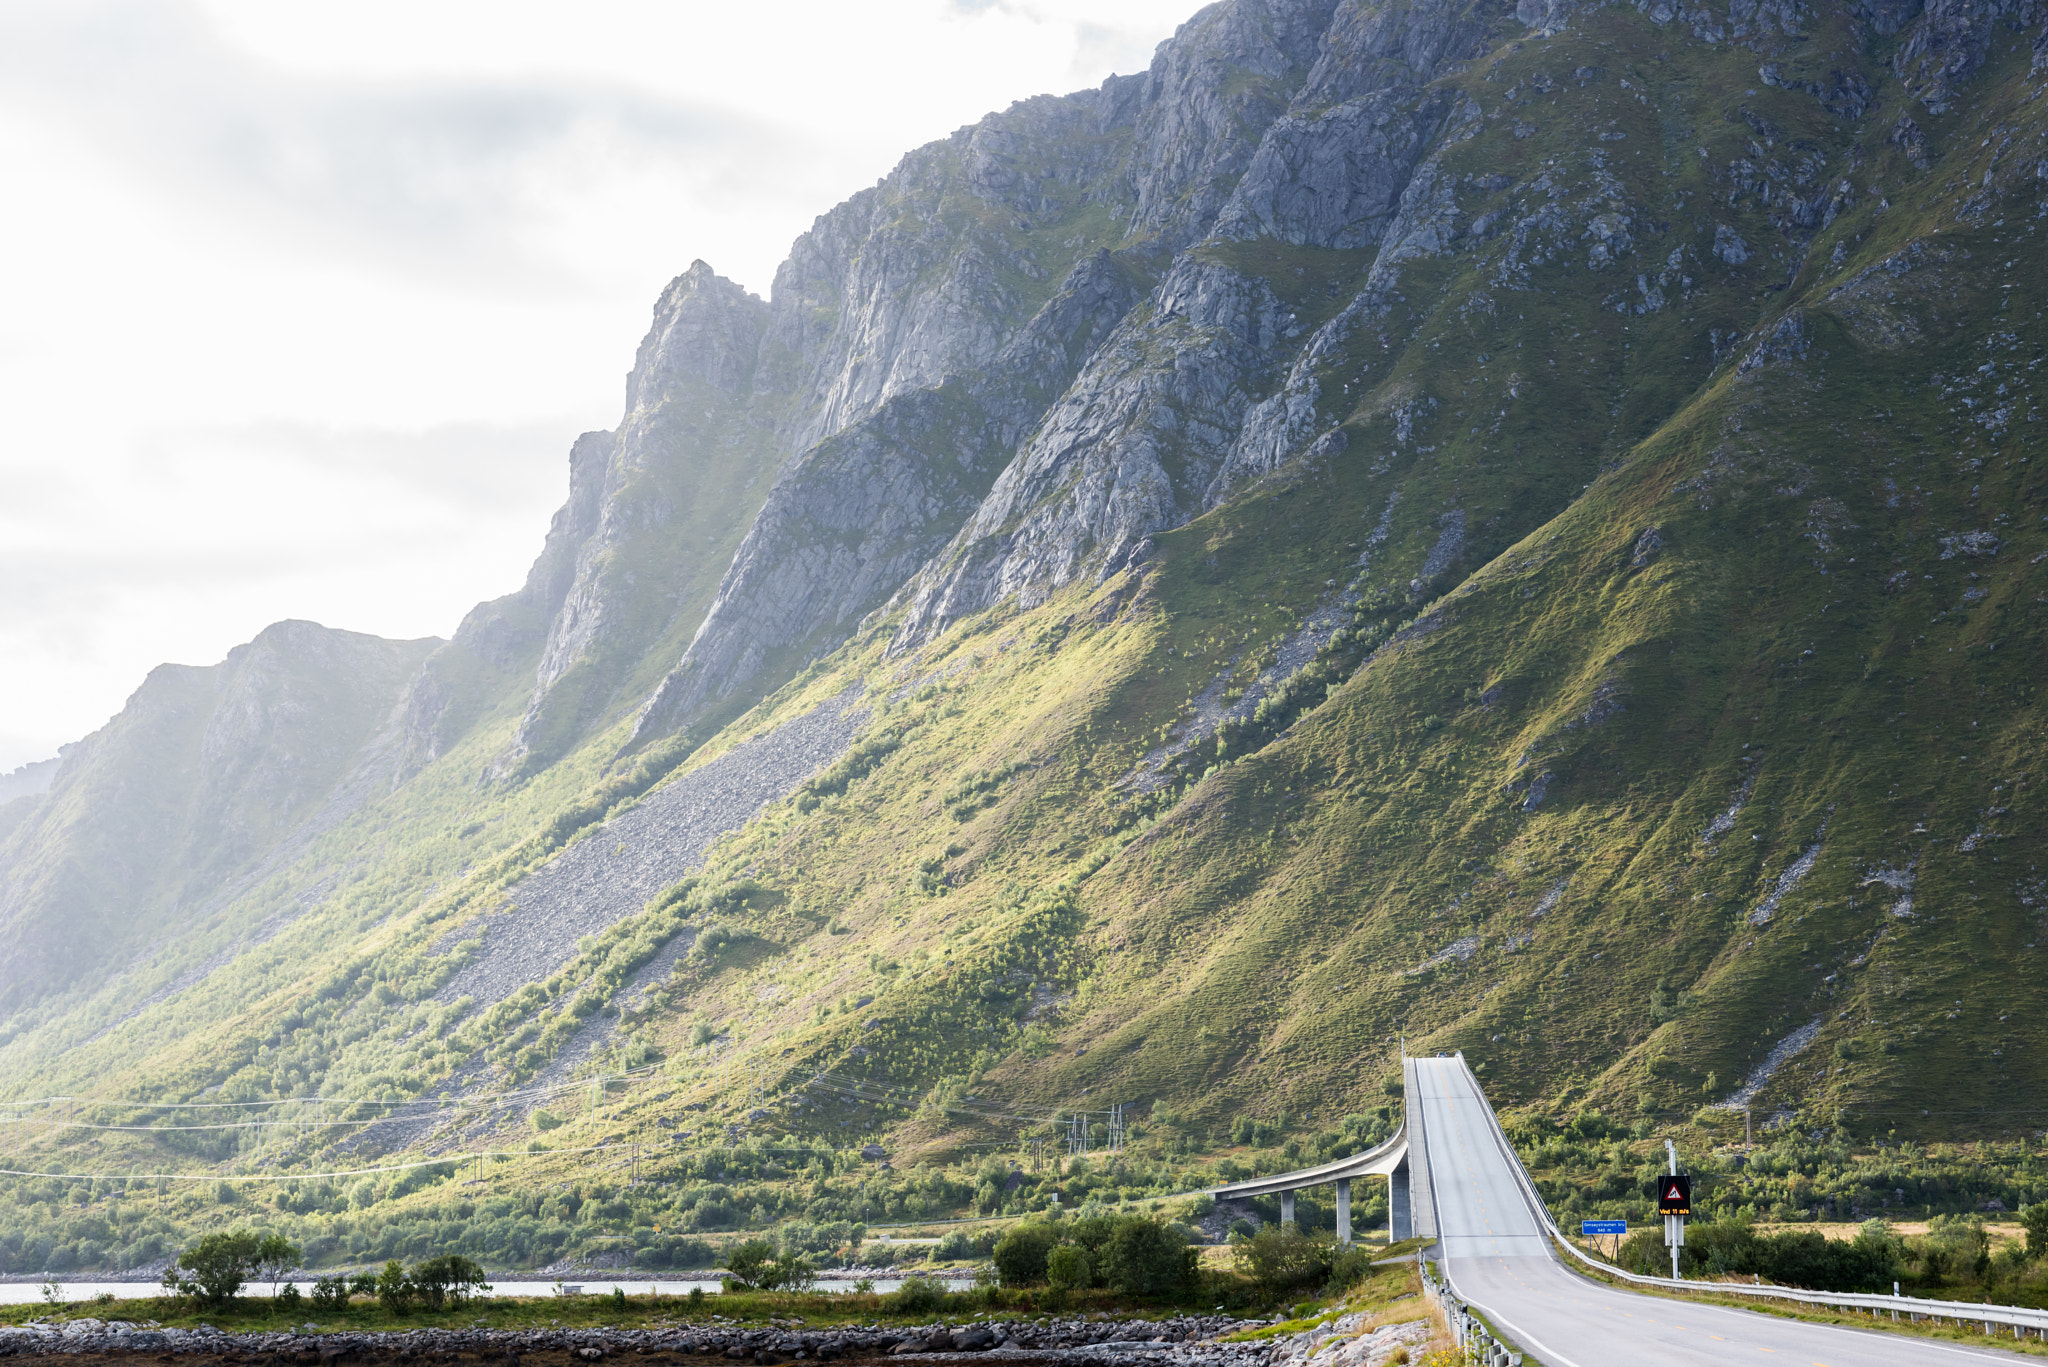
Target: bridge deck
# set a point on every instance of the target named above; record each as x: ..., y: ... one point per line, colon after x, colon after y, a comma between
x: 1494, y: 1252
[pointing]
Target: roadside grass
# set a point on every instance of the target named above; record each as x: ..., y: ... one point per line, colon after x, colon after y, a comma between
x: 1791, y: 1310
x: 1377, y: 1295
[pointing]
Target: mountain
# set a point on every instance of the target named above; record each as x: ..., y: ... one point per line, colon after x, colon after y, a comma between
x: 1406, y: 522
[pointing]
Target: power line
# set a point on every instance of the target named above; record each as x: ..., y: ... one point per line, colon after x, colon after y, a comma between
x: 455, y: 1160
x: 517, y: 1093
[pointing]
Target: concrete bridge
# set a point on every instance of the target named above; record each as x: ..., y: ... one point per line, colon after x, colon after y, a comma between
x: 1456, y: 1180
x: 1401, y: 1160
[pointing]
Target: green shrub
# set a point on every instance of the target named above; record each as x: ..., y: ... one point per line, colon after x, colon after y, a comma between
x: 450, y: 1279
x: 919, y: 1295
x: 1146, y: 1258
x: 1066, y: 1267
x: 1807, y: 1259
x: 330, y: 1293
x: 1020, y: 1254
x: 750, y: 1265
x: 1280, y: 1257
x: 219, y: 1264
x: 2035, y: 1219
x: 395, y: 1291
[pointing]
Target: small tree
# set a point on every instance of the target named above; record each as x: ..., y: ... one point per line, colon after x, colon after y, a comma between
x: 219, y: 1266
x: 395, y: 1291
x: 2035, y: 1219
x: 448, y: 1279
x: 1067, y: 1267
x: 1020, y: 1254
x: 275, y: 1256
x: 1147, y: 1258
x: 1280, y: 1256
x: 750, y: 1266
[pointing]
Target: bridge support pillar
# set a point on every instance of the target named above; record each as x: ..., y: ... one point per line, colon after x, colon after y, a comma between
x: 1343, y: 1210
x: 1286, y: 1207
x: 1400, y: 1216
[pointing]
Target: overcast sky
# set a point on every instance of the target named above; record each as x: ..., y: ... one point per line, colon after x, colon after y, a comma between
x: 301, y: 304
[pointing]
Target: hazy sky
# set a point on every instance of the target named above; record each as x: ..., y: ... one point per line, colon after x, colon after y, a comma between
x: 302, y: 303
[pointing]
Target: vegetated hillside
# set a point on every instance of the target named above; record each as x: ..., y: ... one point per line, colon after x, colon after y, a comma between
x: 1525, y: 541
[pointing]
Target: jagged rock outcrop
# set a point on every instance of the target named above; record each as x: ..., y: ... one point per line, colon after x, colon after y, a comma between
x: 904, y: 356
x: 1127, y: 451
x: 1949, y: 40
x: 859, y: 513
x: 663, y: 503
x: 1171, y: 415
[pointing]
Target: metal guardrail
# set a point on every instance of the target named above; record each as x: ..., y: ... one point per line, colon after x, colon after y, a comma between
x: 1469, y: 1330
x: 2016, y: 1317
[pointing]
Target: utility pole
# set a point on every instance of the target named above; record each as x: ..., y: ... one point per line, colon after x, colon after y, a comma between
x: 1676, y: 1201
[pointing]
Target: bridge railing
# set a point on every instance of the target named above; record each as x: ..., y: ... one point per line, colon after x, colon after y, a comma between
x: 2018, y: 1318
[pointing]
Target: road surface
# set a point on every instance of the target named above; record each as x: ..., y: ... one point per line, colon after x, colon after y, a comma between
x: 1495, y: 1255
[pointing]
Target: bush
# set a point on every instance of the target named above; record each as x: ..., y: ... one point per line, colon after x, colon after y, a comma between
x: 395, y: 1291
x: 2035, y: 1220
x: 219, y: 1264
x: 1066, y: 1267
x: 1145, y: 1258
x: 1280, y: 1257
x: 1020, y: 1254
x: 447, y: 1280
x: 1800, y: 1258
x: 330, y: 1293
x: 1350, y: 1264
x: 750, y: 1265
x: 919, y: 1295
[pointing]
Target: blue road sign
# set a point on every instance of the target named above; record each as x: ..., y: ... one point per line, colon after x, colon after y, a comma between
x: 1589, y: 1228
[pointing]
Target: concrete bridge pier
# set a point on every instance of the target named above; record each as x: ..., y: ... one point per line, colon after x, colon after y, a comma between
x: 1409, y: 1209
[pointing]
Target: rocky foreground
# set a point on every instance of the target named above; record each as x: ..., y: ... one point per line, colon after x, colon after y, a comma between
x: 1082, y: 1343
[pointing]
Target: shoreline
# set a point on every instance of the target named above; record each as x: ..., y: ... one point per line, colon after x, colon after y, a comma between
x: 140, y: 1277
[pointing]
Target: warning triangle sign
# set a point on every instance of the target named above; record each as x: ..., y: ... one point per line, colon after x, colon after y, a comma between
x: 1673, y: 1194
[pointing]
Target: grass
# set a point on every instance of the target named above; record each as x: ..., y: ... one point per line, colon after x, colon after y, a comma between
x: 1792, y: 1310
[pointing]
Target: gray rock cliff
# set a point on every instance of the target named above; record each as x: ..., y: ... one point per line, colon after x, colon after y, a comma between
x: 204, y: 774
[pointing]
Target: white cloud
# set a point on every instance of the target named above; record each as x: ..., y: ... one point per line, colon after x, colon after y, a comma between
x: 306, y: 300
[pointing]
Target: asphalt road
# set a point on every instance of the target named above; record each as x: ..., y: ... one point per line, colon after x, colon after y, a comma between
x: 1496, y: 1257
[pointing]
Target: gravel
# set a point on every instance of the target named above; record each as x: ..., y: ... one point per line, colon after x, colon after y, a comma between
x: 618, y: 868
x: 612, y: 873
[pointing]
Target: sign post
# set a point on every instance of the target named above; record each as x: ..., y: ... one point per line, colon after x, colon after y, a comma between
x: 1593, y: 1228
x: 1674, y: 1203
